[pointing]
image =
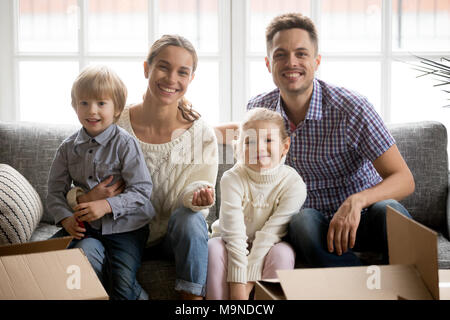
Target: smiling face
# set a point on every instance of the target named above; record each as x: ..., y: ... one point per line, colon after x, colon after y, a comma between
x: 293, y: 61
x: 169, y: 75
x: 263, y: 145
x: 96, y: 115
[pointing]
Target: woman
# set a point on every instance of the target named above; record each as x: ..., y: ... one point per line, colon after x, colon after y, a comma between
x: 181, y: 153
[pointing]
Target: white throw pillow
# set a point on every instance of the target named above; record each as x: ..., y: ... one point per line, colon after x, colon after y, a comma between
x: 21, y: 208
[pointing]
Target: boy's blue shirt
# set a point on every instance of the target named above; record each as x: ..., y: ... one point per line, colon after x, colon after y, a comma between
x: 85, y: 161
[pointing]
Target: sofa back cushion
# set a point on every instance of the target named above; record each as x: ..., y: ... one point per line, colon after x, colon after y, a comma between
x: 423, y: 145
x: 29, y: 148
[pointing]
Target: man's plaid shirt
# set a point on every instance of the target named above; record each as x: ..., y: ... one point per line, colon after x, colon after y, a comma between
x: 334, y: 147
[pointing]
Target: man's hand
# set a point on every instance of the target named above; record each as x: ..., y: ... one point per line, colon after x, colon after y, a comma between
x: 70, y: 224
x: 203, y: 197
x: 101, y: 191
x: 344, y: 224
x: 91, y: 211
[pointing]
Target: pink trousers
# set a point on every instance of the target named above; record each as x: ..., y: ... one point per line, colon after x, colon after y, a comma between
x: 280, y: 257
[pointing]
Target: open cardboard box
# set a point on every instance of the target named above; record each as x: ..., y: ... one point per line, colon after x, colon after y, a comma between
x: 45, y: 270
x: 412, y: 273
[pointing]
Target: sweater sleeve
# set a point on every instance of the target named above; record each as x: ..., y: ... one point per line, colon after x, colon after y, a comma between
x: 275, y: 227
x: 59, y: 183
x: 232, y: 227
x: 203, y: 171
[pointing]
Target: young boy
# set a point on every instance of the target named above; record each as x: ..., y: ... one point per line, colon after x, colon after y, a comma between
x: 111, y: 232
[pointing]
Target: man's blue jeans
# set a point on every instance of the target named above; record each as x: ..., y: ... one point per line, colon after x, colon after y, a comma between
x: 308, y: 230
x: 186, y: 242
x: 115, y: 259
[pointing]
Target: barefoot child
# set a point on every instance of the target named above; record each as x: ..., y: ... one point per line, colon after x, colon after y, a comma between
x: 258, y: 197
x: 111, y: 232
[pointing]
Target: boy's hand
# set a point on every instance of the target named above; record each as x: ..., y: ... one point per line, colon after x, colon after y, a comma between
x: 102, y: 191
x: 91, y: 211
x: 203, y: 197
x: 70, y: 224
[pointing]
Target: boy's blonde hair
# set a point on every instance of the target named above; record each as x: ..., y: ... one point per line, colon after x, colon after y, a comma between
x: 100, y: 82
x: 258, y: 114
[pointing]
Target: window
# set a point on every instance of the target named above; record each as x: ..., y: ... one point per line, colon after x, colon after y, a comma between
x: 55, y: 39
x: 364, y: 44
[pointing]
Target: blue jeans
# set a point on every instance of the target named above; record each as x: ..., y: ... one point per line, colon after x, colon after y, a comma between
x: 186, y: 242
x: 115, y: 259
x: 308, y: 230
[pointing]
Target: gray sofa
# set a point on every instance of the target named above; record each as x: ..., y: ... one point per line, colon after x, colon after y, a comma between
x: 30, y: 147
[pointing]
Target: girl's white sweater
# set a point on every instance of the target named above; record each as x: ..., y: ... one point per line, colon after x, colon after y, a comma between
x: 255, y: 210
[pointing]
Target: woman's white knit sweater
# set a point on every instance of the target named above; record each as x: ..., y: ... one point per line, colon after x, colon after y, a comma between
x: 178, y: 168
x: 255, y: 210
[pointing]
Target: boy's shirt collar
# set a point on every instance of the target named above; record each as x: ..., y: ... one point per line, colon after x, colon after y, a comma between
x: 102, y: 139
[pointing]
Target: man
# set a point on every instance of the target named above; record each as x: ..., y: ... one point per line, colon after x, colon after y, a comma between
x: 341, y: 148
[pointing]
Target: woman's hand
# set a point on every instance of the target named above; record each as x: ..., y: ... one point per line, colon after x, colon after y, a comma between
x: 102, y: 191
x: 91, y: 211
x: 72, y: 227
x: 203, y: 197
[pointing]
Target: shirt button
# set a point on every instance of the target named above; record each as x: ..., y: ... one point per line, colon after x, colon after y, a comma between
x: 294, y: 158
x: 294, y: 135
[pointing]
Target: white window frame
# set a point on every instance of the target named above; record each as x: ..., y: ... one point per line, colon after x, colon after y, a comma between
x: 233, y: 55
x: 10, y: 56
x: 386, y: 56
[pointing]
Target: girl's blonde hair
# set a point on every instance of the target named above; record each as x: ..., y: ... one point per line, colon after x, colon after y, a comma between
x: 178, y: 41
x: 257, y: 114
x: 100, y: 82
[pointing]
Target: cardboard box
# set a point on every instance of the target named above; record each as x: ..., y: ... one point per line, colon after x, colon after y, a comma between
x: 45, y: 270
x: 412, y: 273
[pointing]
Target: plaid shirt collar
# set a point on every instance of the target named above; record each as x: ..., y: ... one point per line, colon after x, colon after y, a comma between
x: 315, y: 106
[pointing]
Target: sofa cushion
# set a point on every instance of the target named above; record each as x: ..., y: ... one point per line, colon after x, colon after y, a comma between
x: 226, y: 162
x: 20, y: 207
x: 30, y: 149
x: 423, y: 145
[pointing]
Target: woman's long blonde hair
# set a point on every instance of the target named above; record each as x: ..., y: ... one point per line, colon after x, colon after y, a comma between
x: 178, y: 41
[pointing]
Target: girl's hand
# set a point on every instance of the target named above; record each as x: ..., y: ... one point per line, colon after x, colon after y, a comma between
x: 101, y: 191
x: 70, y: 224
x: 238, y: 291
x: 248, y: 288
x: 91, y: 211
x: 203, y: 197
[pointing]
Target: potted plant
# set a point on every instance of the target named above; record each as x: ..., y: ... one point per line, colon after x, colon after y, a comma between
x: 441, y: 71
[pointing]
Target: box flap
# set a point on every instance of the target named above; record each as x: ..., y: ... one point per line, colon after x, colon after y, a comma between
x: 34, y: 247
x: 444, y: 284
x: 48, y: 275
x: 411, y: 243
x: 351, y: 283
x: 269, y: 289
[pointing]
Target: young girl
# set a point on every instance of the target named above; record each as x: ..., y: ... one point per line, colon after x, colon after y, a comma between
x: 259, y: 196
